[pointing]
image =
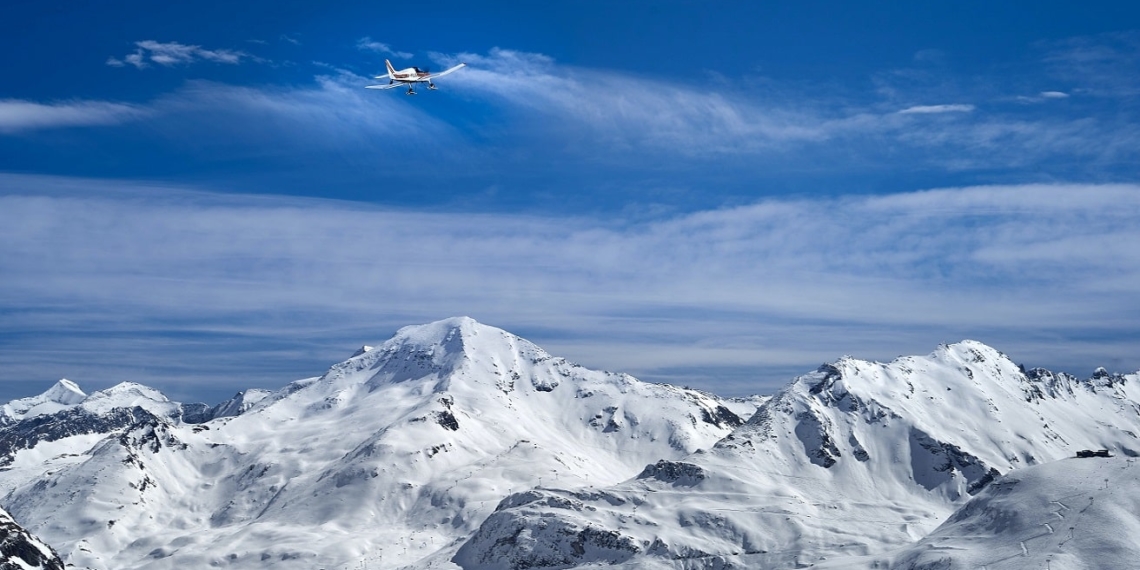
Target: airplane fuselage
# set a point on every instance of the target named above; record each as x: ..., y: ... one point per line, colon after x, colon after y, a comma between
x: 410, y: 75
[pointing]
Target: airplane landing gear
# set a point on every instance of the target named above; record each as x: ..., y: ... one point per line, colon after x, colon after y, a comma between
x: 410, y: 91
x: 431, y: 86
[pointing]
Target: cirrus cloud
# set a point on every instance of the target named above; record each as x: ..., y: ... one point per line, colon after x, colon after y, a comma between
x: 367, y: 44
x: 169, y: 54
x: 934, y: 109
x: 732, y: 300
x: 19, y: 116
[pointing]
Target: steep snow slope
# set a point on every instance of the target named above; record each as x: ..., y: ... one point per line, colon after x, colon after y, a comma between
x: 239, y: 404
x: 63, y: 395
x: 399, y: 452
x: 19, y: 550
x: 854, y: 459
x: 1073, y: 514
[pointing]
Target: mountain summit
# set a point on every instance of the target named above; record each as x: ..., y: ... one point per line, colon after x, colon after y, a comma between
x: 399, y: 452
x: 62, y: 395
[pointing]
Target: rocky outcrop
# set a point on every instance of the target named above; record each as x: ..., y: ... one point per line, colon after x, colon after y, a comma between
x: 19, y: 550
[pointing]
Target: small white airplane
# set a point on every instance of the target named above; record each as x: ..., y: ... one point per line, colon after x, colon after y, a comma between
x: 410, y: 77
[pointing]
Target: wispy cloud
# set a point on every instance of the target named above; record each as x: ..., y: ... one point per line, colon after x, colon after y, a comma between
x: 19, y: 116
x: 622, y: 115
x: 629, y: 111
x: 336, y: 108
x: 756, y: 291
x: 1106, y: 65
x: 513, y: 104
x: 367, y: 44
x: 335, y: 111
x: 169, y: 54
x: 516, y: 108
x: 1043, y: 97
x: 933, y: 109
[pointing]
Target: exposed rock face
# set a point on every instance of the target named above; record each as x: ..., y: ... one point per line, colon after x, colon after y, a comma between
x: 557, y: 544
x: 676, y: 472
x: 29, y: 433
x: 19, y: 550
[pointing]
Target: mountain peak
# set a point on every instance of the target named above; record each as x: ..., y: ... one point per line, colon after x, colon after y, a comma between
x: 64, y: 392
x: 129, y: 395
x: 967, y: 351
x: 449, y: 349
x: 62, y: 395
x: 445, y: 345
x: 439, y: 332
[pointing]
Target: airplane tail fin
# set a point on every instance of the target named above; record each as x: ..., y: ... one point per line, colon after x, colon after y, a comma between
x: 391, y: 70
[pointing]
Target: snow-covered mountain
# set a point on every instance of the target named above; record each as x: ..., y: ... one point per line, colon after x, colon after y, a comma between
x: 63, y: 395
x: 397, y: 454
x: 66, y: 396
x: 1065, y: 515
x: 65, y: 411
x: 854, y: 459
x: 458, y: 445
x: 19, y: 550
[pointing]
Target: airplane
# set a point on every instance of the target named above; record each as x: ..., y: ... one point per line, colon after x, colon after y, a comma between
x: 410, y: 77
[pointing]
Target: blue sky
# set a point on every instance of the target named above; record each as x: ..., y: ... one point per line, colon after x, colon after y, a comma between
x: 721, y: 194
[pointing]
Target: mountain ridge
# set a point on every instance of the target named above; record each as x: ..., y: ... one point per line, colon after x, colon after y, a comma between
x: 420, y: 436
x: 855, y: 458
x: 455, y: 444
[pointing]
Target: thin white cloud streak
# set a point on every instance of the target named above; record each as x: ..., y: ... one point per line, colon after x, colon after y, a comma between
x: 619, y: 115
x: 336, y: 110
x: 626, y: 111
x: 19, y: 116
x: 770, y: 284
x: 1043, y: 96
x: 933, y: 109
x: 367, y: 44
x: 169, y: 54
x: 333, y: 113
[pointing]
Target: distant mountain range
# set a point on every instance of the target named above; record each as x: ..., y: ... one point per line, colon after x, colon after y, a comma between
x: 458, y: 445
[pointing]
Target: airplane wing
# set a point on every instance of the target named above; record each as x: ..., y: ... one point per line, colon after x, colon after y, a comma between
x: 446, y: 71
x: 385, y: 76
x: 391, y: 86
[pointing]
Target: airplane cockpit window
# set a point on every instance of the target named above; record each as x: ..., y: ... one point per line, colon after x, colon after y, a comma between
x: 418, y: 70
